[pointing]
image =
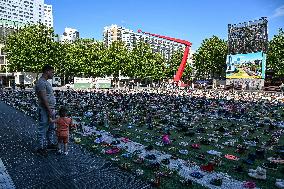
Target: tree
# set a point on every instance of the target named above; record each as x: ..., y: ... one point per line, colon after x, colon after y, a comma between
x: 139, y: 60
x: 210, y: 58
x: 275, y: 55
x: 117, y: 59
x: 173, y: 63
x: 32, y: 47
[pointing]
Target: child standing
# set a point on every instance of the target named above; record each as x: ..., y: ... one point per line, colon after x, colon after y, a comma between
x: 62, y: 130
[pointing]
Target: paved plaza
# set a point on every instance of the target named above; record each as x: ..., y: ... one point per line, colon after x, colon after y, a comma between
x: 21, y: 167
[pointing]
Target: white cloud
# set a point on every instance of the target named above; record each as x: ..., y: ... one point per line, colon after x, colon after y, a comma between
x: 278, y: 12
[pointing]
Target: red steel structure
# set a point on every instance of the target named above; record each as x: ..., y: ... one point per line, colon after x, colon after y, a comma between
x: 182, y: 65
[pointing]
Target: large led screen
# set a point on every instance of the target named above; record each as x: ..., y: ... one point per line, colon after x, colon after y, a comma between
x: 247, y: 66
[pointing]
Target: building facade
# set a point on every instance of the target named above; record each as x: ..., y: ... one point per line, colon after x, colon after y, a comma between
x: 14, y: 14
x: 23, y: 11
x: 69, y: 35
x: 48, y: 16
x: 130, y: 38
x: 17, y: 13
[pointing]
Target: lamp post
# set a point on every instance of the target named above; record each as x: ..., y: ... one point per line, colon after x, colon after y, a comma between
x: 119, y: 73
x: 6, y: 72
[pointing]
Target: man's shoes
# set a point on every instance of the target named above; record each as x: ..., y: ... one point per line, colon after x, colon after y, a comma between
x: 42, y: 152
x: 52, y: 147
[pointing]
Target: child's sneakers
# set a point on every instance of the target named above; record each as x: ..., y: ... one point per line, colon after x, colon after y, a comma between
x: 59, y: 152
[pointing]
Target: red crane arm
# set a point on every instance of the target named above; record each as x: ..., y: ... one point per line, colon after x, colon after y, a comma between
x: 182, y: 65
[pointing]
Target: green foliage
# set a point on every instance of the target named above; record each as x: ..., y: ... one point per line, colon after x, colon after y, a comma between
x: 144, y: 64
x: 173, y: 64
x: 32, y: 47
x: 275, y: 55
x: 117, y: 59
x: 210, y: 58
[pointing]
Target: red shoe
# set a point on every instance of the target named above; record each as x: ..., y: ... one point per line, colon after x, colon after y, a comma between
x: 195, y: 146
x: 207, y: 168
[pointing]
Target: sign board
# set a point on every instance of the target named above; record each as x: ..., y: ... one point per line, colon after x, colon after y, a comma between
x: 103, y: 83
x: 246, y: 66
x: 83, y: 83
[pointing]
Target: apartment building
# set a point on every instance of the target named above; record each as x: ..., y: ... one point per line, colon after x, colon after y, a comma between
x: 69, y: 35
x: 22, y: 11
x: 48, y: 16
x: 130, y: 38
x: 14, y: 14
x: 17, y: 13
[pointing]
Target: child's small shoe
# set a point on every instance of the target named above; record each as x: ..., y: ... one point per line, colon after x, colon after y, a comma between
x: 59, y: 152
x: 65, y: 153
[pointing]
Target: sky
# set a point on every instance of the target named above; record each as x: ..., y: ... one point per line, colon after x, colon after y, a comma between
x: 248, y: 57
x: 183, y: 19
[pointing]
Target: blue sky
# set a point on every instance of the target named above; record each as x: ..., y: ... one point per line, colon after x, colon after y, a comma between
x: 247, y: 57
x: 183, y: 19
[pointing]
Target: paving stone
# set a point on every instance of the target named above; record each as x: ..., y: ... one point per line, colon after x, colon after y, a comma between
x: 79, y: 169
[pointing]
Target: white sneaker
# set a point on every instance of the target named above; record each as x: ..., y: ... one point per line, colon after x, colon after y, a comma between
x: 279, y: 183
x: 258, y: 174
x: 65, y: 153
x: 251, y: 170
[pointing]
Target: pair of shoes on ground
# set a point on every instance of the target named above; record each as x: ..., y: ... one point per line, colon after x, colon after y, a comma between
x: 276, y: 159
x: 207, y: 168
x: 258, y: 173
x: 279, y: 183
x: 196, y: 174
x: 249, y: 184
x: 270, y: 165
x: 61, y: 152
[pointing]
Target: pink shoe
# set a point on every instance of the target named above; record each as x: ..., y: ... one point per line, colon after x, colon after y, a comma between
x: 113, y: 151
x: 231, y: 157
x: 249, y: 184
x: 125, y: 139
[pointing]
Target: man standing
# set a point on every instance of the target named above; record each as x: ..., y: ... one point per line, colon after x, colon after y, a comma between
x: 46, y: 106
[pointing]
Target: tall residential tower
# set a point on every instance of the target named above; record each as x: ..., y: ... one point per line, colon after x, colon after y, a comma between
x: 116, y: 33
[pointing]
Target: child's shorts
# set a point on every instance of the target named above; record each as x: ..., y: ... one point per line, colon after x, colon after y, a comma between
x: 63, y: 139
